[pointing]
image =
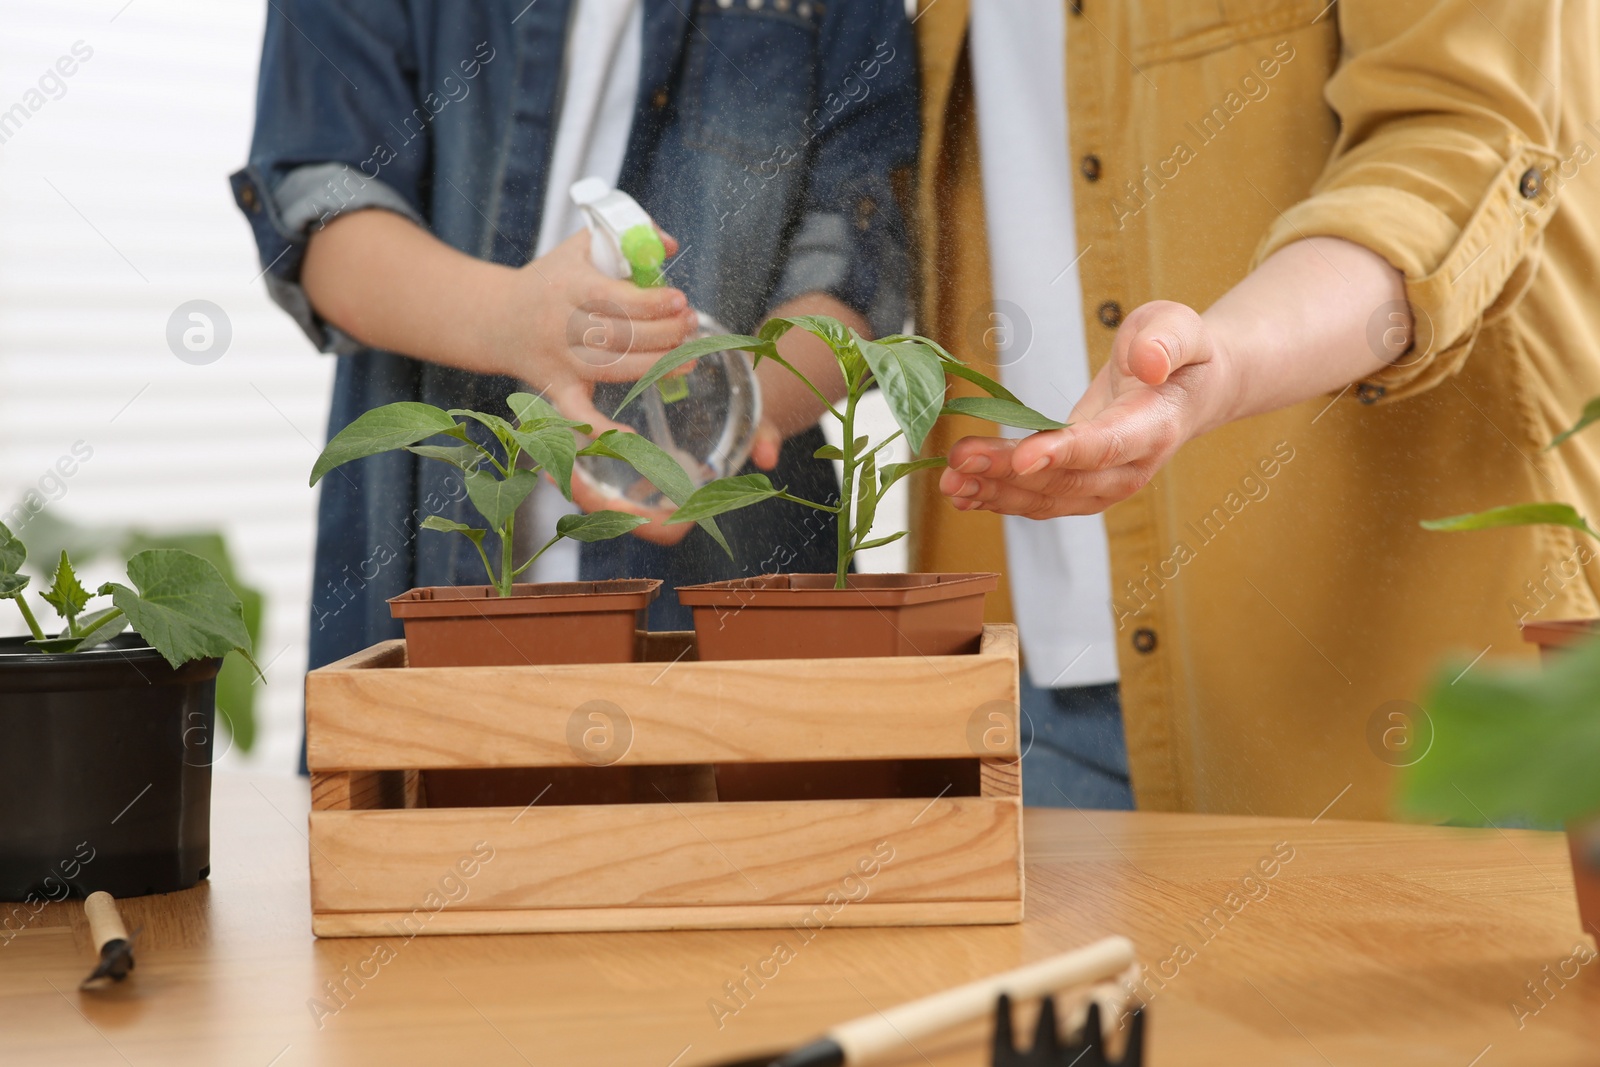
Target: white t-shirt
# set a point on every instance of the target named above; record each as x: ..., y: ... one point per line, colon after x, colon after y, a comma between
x: 597, y: 103
x: 1060, y: 568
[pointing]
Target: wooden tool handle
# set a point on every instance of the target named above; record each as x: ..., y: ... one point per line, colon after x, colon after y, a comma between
x: 871, y: 1036
x: 105, y: 924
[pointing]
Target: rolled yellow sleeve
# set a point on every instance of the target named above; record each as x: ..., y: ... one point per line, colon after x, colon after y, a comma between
x: 1447, y: 130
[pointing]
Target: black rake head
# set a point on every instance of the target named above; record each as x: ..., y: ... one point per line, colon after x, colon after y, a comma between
x: 1050, y: 1049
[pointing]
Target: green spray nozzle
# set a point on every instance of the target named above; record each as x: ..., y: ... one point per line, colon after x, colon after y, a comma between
x: 642, y: 248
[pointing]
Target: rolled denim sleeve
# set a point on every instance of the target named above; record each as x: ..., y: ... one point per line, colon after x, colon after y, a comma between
x: 338, y: 77
x: 850, y: 240
x: 1447, y: 128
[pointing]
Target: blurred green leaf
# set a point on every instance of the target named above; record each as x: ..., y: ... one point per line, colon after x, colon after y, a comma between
x: 828, y: 452
x: 1511, y: 742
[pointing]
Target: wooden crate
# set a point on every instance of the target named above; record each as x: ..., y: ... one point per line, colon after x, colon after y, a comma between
x: 384, y: 862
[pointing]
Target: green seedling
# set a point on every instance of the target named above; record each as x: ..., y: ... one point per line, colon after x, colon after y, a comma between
x: 179, y: 603
x: 540, y: 442
x: 911, y: 371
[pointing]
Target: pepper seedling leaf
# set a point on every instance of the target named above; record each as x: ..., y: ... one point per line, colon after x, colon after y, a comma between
x: 380, y: 430
x: 1590, y: 415
x: 912, y: 379
x: 529, y: 406
x: 893, y: 472
x: 866, y: 495
x: 879, y: 542
x: 690, y: 351
x: 551, y: 446
x: 828, y: 452
x: 1002, y: 411
x: 598, y: 525
x: 657, y: 467
x: 182, y: 606
x: 723, y: 495
x: 981, y: 380
x: 496, y: 500
x: 463, y: 457
x: 444, y: 525
x: 1541, y: 514
x: 66, y: 594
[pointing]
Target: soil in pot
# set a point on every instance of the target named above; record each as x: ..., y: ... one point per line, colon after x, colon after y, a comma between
x: 540, y: 623
x: 105, y: 771
x: 802, y: 616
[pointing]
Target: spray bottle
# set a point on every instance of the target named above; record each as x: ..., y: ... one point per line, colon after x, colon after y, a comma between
x: 705, y: 419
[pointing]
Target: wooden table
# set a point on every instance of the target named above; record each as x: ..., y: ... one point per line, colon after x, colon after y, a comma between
x: 1372, y: 944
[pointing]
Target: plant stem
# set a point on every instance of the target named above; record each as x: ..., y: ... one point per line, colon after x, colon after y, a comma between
x: 545, y: 548
x: 27, y: 614
x: 503, y: 584
x: 114, y: 613
x: 847, y: 488
x: 832, y: 509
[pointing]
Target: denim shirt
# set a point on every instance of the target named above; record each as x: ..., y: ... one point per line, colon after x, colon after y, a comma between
x: 764, y: 139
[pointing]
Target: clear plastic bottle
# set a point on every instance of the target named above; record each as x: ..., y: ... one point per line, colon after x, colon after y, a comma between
x: 705, y: 419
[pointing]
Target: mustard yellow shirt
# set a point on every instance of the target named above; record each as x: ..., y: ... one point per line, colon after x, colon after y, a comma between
x: 1274, y: 594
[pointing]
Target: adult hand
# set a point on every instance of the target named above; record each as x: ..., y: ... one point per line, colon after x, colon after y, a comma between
x: 565, y: 326
x: 1168, y: 380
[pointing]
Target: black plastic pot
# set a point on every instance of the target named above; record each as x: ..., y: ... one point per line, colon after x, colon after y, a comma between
x: 105, y: 771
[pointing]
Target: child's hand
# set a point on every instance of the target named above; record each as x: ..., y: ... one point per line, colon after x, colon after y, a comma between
x: 563, y: 326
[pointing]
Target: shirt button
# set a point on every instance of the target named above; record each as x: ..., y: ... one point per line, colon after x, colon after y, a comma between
x: 1090, y: 166
x: 1530, y: 183
x: 1368, y: 393
x: 658, y: 99
x: 1110, y: 314
x: 1144, y: 640
x: 1077, y: 7
x: 247, y: 197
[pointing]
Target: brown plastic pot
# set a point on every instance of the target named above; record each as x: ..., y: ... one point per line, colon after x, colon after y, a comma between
x: 802, y: 616
x: 543, y: 623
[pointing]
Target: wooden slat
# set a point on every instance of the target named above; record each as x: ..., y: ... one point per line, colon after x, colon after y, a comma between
x: 364, y: 790
x: 1000, y: 778
x: 651, y: 855
x: 753, y: 711
x: 571, y: 920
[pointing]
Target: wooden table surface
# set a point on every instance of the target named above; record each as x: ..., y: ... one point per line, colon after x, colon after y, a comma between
x: 1372, y: 944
